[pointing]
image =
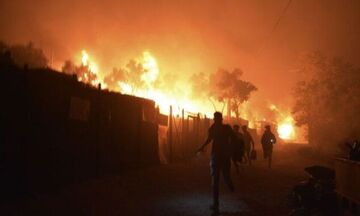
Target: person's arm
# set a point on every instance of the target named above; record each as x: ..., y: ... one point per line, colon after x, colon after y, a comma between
x: 273, y: 138
x: 263, y: 141
x: 208, y: 140
x: 252, y: 141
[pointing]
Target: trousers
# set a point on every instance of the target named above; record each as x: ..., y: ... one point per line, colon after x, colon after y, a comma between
x: 218, y: 166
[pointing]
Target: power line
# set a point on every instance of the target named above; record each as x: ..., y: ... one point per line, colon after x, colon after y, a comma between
x: 267, y: 40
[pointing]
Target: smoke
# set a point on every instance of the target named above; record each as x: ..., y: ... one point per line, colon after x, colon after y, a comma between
x: 188, y: 37
x: 327, y: 99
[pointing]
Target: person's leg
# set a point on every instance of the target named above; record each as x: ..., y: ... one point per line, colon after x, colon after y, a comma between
x: 248, y: 152
x: 246, y: 158
x: 270, y: 157
x: 236, y: 166
x: 264, y: 151
x: 225, y: 169
x: 215, y: 173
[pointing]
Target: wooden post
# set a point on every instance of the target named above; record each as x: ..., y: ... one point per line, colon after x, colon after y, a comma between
x: 183, y: 132
x: 171, y: 135
x: 198, y: 128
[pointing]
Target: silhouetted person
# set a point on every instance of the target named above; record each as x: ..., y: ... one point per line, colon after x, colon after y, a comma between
x: 249, y: 143
x: 220, y: 135
x: 267, y: 141
x: 238, y: 147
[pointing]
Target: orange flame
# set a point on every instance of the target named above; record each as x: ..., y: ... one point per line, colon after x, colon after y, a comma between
x: 179, y: 96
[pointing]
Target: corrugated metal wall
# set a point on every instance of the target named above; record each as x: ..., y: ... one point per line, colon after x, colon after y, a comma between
x: 55, y: 130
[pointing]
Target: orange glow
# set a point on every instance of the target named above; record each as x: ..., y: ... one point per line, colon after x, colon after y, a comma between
x: 163, y: 98
x: 286, y: 129
x: 149, y: 63
x: 84, y: 58
x: 179, y: 94
x: 91, y: 71
x: 273, y: 107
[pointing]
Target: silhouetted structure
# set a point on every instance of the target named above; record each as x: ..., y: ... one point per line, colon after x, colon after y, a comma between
x: 55, y: 130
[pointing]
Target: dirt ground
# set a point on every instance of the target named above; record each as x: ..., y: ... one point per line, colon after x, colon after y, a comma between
x: 181, y: 188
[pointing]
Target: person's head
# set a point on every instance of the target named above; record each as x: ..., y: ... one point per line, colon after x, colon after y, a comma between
x: 267, y: 127
x: 218, y: 117
x: 244, y: 128
x: 236, y: 128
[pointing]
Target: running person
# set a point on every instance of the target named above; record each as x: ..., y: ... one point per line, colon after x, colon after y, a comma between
x: 248, y: 143
x: 267, y: 141
x: 220, y: 135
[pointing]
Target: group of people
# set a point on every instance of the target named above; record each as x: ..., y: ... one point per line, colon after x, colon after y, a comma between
x: 229, y: 144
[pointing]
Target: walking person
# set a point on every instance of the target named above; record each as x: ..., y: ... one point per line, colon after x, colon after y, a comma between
x: 249, y: 143
x: 238, y: 147
x: 267, y: 141
x: 220, y: 135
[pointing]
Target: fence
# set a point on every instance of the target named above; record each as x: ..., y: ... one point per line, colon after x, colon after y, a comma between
x: 55, y: 130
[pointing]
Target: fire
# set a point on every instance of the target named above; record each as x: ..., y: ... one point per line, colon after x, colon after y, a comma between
x: 178, y: 95
x: 285, y: 123
x: 125, y: 88
x: 89, y: 71
x: 273, y: 107
x: 163, y: 99
x: 85, y: 61
x: 84, y: 58
x: 286, y: 129
x: 149, y: 63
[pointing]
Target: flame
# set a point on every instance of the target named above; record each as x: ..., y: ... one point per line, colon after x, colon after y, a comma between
x: 150, y: 65
x: 286, y: 129
x: 180, y: 95
x: 85, y: 61
x: 93, y: 67
x: 90, y: 75
x: 285, y: 123
x: 84, y: 58
x: 273, y: 107
x: 125, y: 88
x: 163, y: 99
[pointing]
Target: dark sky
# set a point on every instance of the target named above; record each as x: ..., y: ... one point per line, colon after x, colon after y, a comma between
x: 188, y: 36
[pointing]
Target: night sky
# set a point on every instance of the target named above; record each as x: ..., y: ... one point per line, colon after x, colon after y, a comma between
x: 192, y: 36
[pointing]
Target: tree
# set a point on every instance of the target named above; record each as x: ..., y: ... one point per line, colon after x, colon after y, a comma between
x: 325, y: 99
x: 83, y: 72
x: 112, y: 80
x: 27, y: 55
x: 223, y: 86
x: 228, y: 87
x: 131, y: 74
x: 69, y: 67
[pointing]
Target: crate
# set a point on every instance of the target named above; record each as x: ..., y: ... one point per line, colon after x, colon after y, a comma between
x: 348, y: 179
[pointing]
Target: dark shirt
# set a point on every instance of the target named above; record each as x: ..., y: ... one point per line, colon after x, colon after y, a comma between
x: 221, y: 136
x: 268, y: 138
x: 238, y: 145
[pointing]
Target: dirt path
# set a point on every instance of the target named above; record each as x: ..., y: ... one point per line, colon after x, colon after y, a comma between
x: 176, y: 189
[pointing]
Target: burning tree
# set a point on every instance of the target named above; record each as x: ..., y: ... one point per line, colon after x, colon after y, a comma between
x: 138, y: 74
x: 127, y: 79
x: 83, y: 72
x: 224, y: 86
x: 326, y: 99
x: 228, y: 87
x: 86, y: 72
